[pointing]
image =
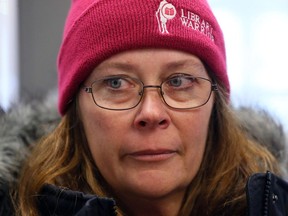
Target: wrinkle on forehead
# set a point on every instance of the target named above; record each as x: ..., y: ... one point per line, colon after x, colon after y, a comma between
x: 133, y: 61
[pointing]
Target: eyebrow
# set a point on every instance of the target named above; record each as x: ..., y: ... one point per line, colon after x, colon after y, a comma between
x: 183, y: 64
x: 129, y: 67
x: 117, y: 65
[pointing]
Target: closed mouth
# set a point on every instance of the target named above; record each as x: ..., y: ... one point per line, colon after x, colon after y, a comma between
x: 152, y: 155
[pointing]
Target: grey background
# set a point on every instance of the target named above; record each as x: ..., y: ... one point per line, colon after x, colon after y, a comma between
x: 41, y: 25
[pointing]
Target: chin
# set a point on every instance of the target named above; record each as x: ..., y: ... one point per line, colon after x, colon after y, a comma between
x: 157, y: 186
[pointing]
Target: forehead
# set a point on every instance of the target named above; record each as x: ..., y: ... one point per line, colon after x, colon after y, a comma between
x: 163, y: 56
x: 160, y: 61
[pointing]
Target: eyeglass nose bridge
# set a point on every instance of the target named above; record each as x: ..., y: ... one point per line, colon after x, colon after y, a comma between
x: 151, y: 86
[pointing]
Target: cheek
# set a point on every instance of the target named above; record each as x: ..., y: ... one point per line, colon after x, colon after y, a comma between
x: 102, y: 131
x: 98, y: 130
x: 194, y: 126
x: 98, y: 123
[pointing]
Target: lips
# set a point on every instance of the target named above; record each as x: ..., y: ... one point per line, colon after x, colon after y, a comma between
x: 152, y: 155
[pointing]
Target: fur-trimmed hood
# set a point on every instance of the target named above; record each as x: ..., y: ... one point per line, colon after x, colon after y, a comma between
x: 25, y: 123
x: 20, y: 128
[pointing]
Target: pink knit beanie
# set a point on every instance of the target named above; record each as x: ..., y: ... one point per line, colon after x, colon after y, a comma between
x: 98, y: 29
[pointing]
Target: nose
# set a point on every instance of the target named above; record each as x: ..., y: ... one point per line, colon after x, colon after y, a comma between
x: 152, y: 111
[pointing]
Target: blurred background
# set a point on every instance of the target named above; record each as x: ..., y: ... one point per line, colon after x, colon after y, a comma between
x: 256, y: 34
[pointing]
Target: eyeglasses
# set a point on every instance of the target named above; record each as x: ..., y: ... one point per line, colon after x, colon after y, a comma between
x: 179, y: 91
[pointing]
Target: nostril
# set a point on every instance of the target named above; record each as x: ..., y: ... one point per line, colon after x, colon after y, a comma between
x: 142, y: 123
x: 163, y: 122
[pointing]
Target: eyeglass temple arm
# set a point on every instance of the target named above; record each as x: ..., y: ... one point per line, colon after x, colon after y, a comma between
x: 214, y: 87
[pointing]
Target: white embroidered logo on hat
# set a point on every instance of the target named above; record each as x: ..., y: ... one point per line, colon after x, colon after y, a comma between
x: 166, y: 11
x: 197, y: 23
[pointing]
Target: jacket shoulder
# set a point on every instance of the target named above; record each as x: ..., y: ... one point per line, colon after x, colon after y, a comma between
x: 6, y: 207
x: 54, y: 200
x: 267, y: 194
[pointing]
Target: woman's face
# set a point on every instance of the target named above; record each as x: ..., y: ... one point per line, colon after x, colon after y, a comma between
x: 150, y: 151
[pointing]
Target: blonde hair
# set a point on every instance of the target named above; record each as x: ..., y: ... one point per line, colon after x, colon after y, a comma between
x: 229, y: 159
x: 63, y: 158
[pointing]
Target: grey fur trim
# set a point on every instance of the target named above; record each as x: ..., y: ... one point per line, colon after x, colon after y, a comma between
x: 20, y: 128
x: 260, y: 126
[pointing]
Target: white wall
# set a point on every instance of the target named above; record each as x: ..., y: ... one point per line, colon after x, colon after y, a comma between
x: 256, y: 35
x: 9, y: 84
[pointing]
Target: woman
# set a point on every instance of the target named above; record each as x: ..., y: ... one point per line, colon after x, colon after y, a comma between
x: 146, y: 122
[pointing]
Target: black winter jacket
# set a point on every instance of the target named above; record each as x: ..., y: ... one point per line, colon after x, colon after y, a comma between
x: 267, y: 195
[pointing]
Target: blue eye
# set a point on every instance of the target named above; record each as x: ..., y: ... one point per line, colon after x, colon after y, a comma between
x: 118, y: 83
x: 175, y: 81
x: 182, y: 81
x: 114, y: 82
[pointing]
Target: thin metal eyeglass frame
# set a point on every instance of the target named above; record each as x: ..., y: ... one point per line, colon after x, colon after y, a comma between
x: 214, y: 87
